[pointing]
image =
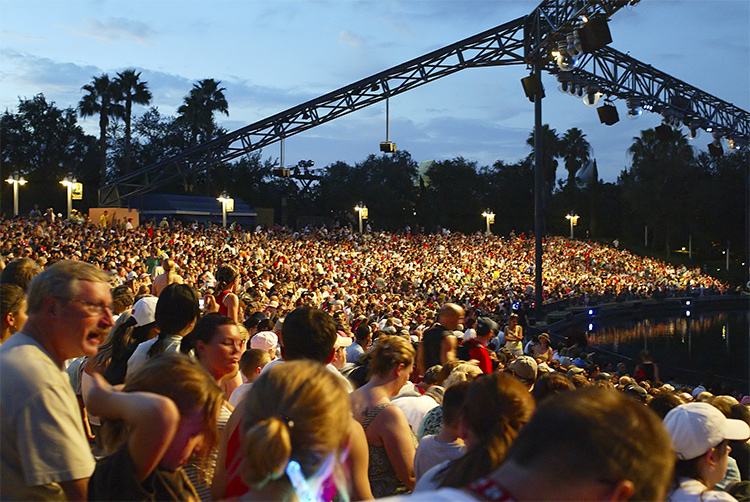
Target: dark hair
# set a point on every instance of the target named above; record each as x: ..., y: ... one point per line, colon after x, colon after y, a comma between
x: 453, y: 401
x: 362, y: 332
x: 664, y: 402
x: 20, y: 272
x: 308, y: 333
x: 265, y: 325
x: 204, y: 330
x: 225, y: 275
x: 497, y: 406
x: 597, y: 434
x: 176, y: 309
x: 11, y: 299
x: 550, y: 384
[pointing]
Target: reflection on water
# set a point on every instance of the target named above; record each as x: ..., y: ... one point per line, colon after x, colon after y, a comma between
x: 687, y: 346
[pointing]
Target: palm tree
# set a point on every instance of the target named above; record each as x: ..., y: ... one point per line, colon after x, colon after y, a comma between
x: 576, y: 152
x: 199, y: 106
x: 662, y: 176
x: 102, y: 99
x: 550, y: 150
x: 132, y: 90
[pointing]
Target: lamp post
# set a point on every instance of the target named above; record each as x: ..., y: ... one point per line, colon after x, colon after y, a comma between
x: 573, y: 221
x: 68, y: 183
x: 362, y: 213
x: 490, y: 217
x: 227, y: 204
x: 15, y: 180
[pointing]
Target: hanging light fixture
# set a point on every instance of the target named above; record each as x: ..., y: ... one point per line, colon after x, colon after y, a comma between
x: 592, y: 96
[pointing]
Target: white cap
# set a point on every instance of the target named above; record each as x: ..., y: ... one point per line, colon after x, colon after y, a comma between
x: 265, y: 340
x: 342, y: 341
x: 144, y: 310
x: 695, y: 428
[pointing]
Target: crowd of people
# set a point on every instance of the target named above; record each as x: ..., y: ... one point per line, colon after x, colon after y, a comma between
x: 176, y: 363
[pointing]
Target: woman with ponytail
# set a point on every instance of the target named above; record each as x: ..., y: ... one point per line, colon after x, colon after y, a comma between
x: 176, y: 313
x: 227, y: 278
x: 497, y: 406
x: 292, y: 438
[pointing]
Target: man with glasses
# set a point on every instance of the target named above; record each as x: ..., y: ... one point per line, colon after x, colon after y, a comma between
x: 44, y: 454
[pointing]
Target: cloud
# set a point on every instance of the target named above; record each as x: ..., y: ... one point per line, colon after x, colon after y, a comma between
x: 350, y: 39
x: 116, y: 29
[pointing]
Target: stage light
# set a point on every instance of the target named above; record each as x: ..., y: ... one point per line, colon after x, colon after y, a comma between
x: 565, y: 61
x: 592, y: 97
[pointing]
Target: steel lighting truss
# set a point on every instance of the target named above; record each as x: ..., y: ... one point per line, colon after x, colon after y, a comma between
x: 525, y: 40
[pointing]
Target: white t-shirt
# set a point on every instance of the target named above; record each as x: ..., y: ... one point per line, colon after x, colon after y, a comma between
x: 140, y: 355
x: 415, y: 408
x: 692, y: 490
x: 239, y: 393
x: 431, y: 452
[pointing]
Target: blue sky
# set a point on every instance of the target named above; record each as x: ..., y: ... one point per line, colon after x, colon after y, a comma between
x: 271, y: 55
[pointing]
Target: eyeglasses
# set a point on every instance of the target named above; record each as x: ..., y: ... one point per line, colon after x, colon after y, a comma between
x: 92, y: 309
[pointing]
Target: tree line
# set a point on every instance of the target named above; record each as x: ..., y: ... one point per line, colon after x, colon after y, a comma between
x: 670, y: 192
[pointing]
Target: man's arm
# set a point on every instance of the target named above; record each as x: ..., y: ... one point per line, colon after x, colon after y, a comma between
x: 448, y: 349
x: 76, y: 489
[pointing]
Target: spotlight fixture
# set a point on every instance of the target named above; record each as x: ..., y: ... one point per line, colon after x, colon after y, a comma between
x: 592, y: 96
x: 634, y: 109
x: 532, y: 85
x: 565, y: 61
x: 608, y: 114
x: 564, y: 86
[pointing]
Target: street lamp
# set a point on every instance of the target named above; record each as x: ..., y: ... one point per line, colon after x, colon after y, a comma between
x: 362, y: 213
x: 490, y: 217
x: 573, y: 221
x: 227, y: 205
x: 68, y: 183
x: 15, y: 180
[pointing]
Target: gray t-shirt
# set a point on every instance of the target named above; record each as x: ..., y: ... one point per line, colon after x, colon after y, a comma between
x: 43, y: 441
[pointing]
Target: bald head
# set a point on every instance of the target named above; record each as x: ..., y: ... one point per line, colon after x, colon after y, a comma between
x: 450, y: 315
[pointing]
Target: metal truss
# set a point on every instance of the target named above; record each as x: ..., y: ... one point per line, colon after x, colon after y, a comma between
x: 527, y: 40
x: 618, y: 75
x: 503, y: 45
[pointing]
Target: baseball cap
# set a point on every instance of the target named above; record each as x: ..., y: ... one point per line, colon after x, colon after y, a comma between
x: 342, y: 341
x: 144, y: 310
x: 524, y: 367
x: 265, y: 340
x: 695, y: 428
x: 485, y: 325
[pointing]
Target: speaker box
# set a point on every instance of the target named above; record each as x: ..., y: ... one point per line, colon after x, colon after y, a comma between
x: 532, y: 85
x: 595, y: 34
x: 608, y: 114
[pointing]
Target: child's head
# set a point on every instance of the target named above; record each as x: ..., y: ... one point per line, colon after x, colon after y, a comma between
x: 297, y: 411
x: 252, y: 361
x: 184, y: 381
